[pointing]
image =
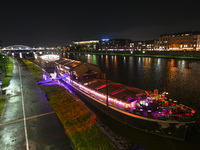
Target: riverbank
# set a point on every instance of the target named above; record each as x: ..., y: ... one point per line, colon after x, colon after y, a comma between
x: 2, y: 103
x: 157, y: 54
x: 36, y: 71
x: 78, y: 121
x: 6, y: 67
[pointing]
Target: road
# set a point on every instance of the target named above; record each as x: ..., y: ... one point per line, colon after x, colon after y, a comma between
x: 28, y: 122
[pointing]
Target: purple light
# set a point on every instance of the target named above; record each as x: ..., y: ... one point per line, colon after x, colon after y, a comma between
x: 130, y: 99
x: 44, y: 77
x: 99, y: 96
x: 51, y: 83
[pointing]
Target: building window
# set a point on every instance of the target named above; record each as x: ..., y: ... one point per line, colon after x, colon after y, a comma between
x: 131, y: 44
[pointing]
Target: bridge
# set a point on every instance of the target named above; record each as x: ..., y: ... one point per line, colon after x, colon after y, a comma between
x: 28, y: 48
x: 17, y: 47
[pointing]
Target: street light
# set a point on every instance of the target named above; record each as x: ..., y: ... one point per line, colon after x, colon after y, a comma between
x: 4, y: 61
x: 0, y: 88
x: 107, y: 94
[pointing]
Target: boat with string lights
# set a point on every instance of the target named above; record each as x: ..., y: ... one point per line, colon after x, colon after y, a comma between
x: 144, y: 110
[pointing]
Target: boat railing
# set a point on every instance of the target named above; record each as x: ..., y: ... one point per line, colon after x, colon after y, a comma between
x: 167, y: 116
x: 120, y: 104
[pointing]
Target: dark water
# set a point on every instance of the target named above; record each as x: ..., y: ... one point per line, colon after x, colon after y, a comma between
x: 181, y: 78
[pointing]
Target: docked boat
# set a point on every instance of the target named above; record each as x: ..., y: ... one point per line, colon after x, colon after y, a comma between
x: 145, y: 110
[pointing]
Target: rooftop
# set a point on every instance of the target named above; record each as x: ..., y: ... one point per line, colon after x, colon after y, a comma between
x: 182, y: 33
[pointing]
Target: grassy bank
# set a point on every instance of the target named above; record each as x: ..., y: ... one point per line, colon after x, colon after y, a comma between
x: 138, y: 55
x: 76, y: 119
x: 36, y: 71
x: 2, y: 103
x: 6, y: 67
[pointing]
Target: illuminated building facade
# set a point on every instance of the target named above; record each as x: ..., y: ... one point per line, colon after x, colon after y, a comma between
x: 115, y: 45
x: 92, y: 45
x: 143, y: 45
x: 185, y: 41
x: 66, y: 48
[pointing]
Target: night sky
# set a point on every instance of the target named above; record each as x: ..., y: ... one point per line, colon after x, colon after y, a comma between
x: 53, y: 23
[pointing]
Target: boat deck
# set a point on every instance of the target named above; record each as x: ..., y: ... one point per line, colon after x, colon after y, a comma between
x: 115, y: 90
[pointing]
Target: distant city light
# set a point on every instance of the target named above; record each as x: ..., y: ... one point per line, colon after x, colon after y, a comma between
x: 105, y: 40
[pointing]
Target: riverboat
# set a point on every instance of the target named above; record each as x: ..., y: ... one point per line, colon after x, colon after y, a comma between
x: 145, y: 110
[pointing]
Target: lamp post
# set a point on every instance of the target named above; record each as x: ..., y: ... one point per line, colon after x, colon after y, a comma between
x: 4, y: 61
x: 107, y: 95
x: 0, y: 88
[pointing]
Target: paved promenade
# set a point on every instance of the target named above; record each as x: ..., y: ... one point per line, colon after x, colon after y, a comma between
x: 28, y: 122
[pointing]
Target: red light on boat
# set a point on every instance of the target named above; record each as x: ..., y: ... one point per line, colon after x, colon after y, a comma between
x: 166, y: 104
x: 187, y: 114
x: 95, y: 118
x: 193, y: 111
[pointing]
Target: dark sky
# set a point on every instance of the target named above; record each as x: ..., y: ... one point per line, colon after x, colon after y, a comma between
x: 59, y: 22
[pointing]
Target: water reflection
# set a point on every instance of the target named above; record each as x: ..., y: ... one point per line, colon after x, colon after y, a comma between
x: 131, y: 69
x: 139, y: 60
x: 116, y: 68
x: 107, y: 65
x: 146, y: 62
x: 94, y: 59
x: 89, y: 58
x: 172, y: 62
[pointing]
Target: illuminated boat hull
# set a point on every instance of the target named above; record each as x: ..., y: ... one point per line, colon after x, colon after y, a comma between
x: 169, y: 128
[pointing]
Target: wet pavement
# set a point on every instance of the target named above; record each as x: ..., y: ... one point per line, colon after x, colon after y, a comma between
x: 28, y: 121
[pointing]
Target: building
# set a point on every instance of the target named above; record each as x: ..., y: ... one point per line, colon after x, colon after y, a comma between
x: 143, y: 45
x: 185, y: 41
x: 67, y: 48
x: 78, y: 71
x: 92, y: 45
x: 115, y: 45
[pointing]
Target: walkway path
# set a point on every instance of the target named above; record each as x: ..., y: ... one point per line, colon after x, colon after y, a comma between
x: 28, y: 121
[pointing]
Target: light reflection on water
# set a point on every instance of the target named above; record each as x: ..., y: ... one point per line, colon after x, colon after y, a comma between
x: 181, y: 78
